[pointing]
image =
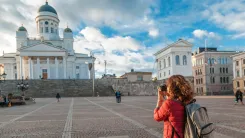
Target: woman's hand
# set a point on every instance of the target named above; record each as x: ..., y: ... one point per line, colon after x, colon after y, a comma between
x: 160, y: 99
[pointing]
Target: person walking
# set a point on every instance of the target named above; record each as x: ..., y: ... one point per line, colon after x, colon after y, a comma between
x: 58, y: 97
x: 171, y: 110
x: 239, y: 96
x: 118, y: 96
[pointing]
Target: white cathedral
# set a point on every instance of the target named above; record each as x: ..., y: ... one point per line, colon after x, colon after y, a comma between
x: 46, y: 56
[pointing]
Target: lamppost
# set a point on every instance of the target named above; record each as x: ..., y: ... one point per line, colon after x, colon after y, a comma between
x: 22, y: 86
x: 4, y: 76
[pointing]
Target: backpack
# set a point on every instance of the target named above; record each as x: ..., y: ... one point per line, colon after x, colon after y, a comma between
x: 197, y: 122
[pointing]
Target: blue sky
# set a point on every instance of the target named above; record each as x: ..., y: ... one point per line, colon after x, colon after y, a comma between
x: 130, y: 32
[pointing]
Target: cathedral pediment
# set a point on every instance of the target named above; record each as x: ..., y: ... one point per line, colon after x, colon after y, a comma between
x: 182, y: 43
x: 42, y: 47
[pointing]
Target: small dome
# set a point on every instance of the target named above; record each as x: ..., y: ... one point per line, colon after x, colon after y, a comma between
x: 22, y: 28
x: 68, y: 30
x: 47, y: 8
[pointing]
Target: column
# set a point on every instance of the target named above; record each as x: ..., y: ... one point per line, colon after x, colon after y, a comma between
x: 64, y: 66
x: 234, y: 69
x: 32, y: 66
x: 74, y: 70
x: 57, y: 68
x: 48, y: 68
x: 38, y: 68
x: 21, y: 69
x: 240, y: 67
x: 29, y: 62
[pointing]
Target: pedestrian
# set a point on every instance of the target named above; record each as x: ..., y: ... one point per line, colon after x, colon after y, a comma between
x: 239, y: 96
x: 118, y: 96
x: 171, y: 110
x: 58, y: 97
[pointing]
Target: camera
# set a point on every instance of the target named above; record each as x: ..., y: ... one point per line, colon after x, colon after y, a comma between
x: 163, y: 87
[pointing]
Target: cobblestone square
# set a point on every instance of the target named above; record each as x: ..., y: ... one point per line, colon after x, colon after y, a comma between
x: 102, y: 117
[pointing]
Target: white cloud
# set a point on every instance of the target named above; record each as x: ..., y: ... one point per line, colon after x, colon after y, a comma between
x: 153, y: 32
x: 204, y: 33
x: 93, y: 39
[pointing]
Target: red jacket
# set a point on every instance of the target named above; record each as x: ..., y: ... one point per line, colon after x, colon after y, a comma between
x: 175, y: 113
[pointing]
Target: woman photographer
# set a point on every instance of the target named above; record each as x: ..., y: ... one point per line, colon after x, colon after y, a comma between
x: 172, y: 110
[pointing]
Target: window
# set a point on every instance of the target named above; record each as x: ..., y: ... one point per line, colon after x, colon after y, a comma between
x: 223, y: 61
x: 213, y: 60
x: 243, y: 61
x: 168, y: 72
x: 209, y: 61
x: 77, y: 67
x: 52, y: 30
x: 237, y: 63
x: 160, y: 65
x: 14, y: 67
x: 213, y: 79
x: 224, y: 80
x: 160, y: 75
x: 219, y: 60
x: 197, y: 73
x: 77, y: 76
x: 164, y: 74
x: 210, y: 70
x: 164, y: 63
x: 227, y: 80
x: 220, y: 69
x: 184, y: 60
x: 237, y: 73
x: 244, y: 73
x: 169, y: 64
x: 201, y: 80
x: 177, y: 60
x: 41, y: 30
x: 45, y: 71
x: 226, y: 61
x: 56, y: 31
x: 213, y: 70
x: 197, y: 90
x: 220, y: 79
x: 196, y: 81
x: 46, y: 29
x: 223, y: 70
x: 238, y: 84
x: 46, y: 23
x: 226, y: 70
x: 15, y: 75
x: 140, y: 78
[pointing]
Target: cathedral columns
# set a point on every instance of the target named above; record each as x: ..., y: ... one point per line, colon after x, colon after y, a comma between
x: 57, y: 68
x: 48, y: 68
x: 30, y: 68
x: 38, y: 67
x: 21, y: 68
x: 64, y: 66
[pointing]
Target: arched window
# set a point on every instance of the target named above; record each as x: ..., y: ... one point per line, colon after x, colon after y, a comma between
x: 177, y: 60
x: 223, y: 61
x: 184, y: 60
x: 209, y: 61
x: 221, y: 79
x: 169, y: 63
x: 164, y: 63
x: 219, y: 60
x: 213, y: 60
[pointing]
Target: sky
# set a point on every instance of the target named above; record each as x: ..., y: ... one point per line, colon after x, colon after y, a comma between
x: 127, y: 33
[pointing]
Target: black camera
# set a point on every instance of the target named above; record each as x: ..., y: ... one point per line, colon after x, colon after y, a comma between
x: 163, y: 87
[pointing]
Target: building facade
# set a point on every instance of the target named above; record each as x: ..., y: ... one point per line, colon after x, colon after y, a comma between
x: 46, y: 56
x: 174, y: 59
x: 239, y: 72
x: 137, y: 76
x: 212, y: 71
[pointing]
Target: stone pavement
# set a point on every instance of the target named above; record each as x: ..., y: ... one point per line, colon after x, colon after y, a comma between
x: 104, y: 118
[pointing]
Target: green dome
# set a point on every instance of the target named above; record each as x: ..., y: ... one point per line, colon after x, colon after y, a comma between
x: 22, y: 29
x: 47, y: 8
x: 68, y: 30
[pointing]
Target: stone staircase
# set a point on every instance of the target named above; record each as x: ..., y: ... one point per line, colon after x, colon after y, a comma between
x: 66, y: 88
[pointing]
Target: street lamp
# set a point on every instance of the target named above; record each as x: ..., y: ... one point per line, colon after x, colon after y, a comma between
x: 22, y: 86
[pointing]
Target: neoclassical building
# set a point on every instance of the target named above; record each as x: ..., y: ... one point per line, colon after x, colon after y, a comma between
x: 47, y: 55
x: 174, y: 59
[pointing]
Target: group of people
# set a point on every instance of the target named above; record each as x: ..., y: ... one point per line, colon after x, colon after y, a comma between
x: 239, y: 97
